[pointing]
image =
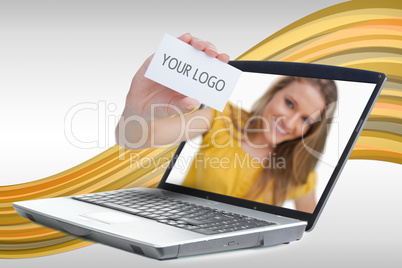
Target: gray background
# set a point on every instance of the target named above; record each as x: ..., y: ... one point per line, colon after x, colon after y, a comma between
x: 57, y: 54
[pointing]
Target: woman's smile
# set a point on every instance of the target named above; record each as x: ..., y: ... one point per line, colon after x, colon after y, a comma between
x: 280, y: 130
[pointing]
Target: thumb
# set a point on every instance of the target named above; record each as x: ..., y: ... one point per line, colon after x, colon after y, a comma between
x: 176, y: 106
x: 182, y: 105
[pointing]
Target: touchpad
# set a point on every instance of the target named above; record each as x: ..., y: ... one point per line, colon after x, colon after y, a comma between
x: 110, y: 217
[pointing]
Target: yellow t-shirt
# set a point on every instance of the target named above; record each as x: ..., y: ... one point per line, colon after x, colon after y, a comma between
x: 221, y: 166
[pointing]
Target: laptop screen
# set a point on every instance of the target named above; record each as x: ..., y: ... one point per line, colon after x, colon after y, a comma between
x: 277, y: 142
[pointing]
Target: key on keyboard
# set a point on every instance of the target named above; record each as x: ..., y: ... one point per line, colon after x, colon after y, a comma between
x: 200, y: 219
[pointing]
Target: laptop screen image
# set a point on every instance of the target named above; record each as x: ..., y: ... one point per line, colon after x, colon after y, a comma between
x: 277, y: 142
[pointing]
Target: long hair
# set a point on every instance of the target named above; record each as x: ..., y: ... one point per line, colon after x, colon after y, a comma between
x: 298, y: 160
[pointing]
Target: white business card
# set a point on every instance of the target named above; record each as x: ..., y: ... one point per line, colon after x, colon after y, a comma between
x: 191, y: 72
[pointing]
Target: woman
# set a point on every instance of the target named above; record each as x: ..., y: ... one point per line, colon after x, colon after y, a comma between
x: 286, y: 116
x: 262, y: 155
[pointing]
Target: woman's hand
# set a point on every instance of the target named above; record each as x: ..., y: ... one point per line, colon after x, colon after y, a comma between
x: 138, y: 128
x: 145, y: 92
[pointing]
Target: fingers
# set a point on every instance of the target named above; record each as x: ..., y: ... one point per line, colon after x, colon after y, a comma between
x: 185, y: 38
x: 205, y: 46
x: 210, y: 50
x: 198, y: 43
x: 223, y: 57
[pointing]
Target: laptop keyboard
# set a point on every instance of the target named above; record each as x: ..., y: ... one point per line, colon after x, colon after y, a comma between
x: 200, y: 219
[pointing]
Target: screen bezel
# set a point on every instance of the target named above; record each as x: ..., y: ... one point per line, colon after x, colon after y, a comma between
x: 302, y: 70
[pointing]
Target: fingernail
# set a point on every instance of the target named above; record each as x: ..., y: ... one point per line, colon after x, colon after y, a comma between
x: 213, y: 48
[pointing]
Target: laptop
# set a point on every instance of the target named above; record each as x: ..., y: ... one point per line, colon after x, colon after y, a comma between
x: 195, y: 211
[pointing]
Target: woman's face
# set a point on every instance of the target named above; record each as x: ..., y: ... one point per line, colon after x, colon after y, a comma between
x: 291, y: 111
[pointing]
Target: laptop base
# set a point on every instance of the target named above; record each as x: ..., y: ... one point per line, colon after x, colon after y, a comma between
x: 207, y: 244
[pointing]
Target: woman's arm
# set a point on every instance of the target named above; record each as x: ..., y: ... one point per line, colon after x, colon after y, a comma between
x: 135, y: 132
x: 306, y: 203
x: 156, y: 115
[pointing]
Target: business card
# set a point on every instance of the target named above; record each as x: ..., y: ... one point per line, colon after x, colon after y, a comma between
x: 179, y: 66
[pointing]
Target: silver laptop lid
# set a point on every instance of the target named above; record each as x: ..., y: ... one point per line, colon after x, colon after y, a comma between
x: 310, y: 138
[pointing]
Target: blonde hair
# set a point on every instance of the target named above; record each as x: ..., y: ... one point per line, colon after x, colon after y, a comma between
x: 299, y: 162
